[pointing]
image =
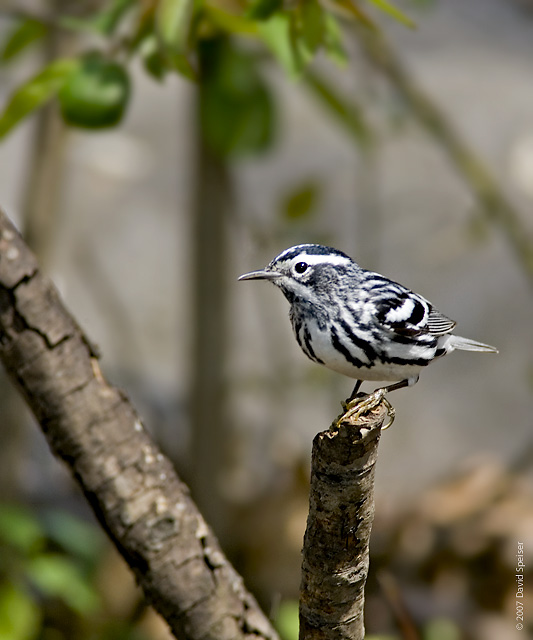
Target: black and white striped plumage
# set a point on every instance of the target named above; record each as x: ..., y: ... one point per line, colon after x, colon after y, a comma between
x: 358, y: 322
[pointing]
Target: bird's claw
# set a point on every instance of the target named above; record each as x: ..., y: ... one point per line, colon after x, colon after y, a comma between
x: 357, y: 407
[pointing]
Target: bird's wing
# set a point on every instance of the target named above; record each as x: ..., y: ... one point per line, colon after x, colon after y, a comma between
x: 409, y: 314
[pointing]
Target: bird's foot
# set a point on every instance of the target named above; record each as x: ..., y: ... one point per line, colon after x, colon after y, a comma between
x: 361, y: 405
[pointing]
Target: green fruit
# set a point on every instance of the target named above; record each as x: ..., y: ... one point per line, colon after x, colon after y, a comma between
x: 96, y: 95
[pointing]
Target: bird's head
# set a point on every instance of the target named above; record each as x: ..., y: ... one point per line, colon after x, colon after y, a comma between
x: 305, y: 272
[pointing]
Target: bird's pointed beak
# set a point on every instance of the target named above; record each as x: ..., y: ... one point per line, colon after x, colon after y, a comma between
x: 262, y: 274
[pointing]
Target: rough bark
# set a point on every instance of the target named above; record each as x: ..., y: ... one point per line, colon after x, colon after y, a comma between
x: 132, y: 488
x: 341, y: 511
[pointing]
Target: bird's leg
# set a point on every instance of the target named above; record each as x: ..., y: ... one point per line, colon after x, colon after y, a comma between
x: 352, y: 399
x: 355, y: 390
x: 408, y: 382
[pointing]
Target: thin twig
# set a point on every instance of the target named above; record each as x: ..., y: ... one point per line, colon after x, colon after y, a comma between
x: 396, y: 602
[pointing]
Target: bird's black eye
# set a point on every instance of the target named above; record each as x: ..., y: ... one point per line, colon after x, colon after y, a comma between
x: 300, y: 267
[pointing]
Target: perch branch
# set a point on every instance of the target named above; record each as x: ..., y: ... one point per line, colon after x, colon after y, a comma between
x: 132, y: 488
x: 341, y: 511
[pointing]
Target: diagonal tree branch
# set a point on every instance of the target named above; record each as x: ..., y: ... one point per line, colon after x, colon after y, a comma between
x: 133, y: 489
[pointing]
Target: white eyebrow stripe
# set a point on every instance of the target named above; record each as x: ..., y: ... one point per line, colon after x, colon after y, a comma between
x: 282, y: 255
x: 321, y: 259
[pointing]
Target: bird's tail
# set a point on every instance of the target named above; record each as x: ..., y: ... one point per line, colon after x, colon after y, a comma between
x: 465, y: 344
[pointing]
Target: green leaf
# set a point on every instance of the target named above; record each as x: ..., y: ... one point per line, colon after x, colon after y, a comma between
x: 20, y: 529
x: 333, y: 41
x: 107, y: 20
x: 441, y: 629
x: 77, y: 537
x: 25, y: 33
x: 393, y: 12
x: 276, y: 34
x: 354, y: 11
x: 142, y: 30
x: 96, y: 95
x: 19, y: 616
x: 35, y: 92
x: 286, y: 620
x: 156, y: 59
x: 236, y: 108
x: 183, y: 65
x: 310, y: 25
x: 153, y: 60
x: 172, y: 24
x: 230, y: 22
x: 263, y: 9
x: 301, y: 201
x: 302, y: 53
x: 59, y: 577
x: 294, y: 37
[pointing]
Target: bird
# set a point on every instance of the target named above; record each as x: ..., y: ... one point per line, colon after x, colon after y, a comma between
x: 360, y: 323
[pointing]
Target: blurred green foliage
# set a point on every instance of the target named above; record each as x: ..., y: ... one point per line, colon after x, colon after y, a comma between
x: 300, y: 202
x: 25, y: 33
x: 48, y: 565
x: 393, y: 12
x: 236, y: 110
x: 218, y: 43
x: 36, y: 92
x: 442, y: 629
x: 286, y: 620
x: 48, y: 568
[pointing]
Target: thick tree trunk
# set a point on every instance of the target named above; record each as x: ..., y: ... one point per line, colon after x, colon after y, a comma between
x: 132, y: 488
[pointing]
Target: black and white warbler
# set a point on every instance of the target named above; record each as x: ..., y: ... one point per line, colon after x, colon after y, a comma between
x: 358, y: 322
